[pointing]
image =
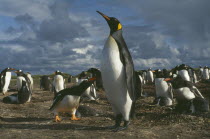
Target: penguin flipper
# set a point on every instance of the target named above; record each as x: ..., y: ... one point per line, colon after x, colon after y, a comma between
x: 170, y: 91
x: 57, y: 99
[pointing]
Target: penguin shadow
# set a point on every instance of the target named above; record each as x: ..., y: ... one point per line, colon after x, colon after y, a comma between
x: 54, y: 126
x: 21, y: 119
x: 12, y: 90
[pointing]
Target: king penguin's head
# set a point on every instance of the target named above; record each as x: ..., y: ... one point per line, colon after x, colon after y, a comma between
x: 114, y: 24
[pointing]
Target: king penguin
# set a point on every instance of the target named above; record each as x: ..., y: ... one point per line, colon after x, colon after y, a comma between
x: 67, y: 100
x: 118, y: 75
x: 5, y: 77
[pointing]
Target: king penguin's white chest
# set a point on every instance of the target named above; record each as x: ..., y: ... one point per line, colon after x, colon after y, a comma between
x: 113, y: 73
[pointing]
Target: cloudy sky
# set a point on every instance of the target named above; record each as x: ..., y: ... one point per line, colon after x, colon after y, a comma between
x: 41, y: 36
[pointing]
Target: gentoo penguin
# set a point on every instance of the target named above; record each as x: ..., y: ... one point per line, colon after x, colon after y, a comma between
x: 90, y: 92
x: 141, y: 83
x: 5, y: 77
x: 67, y: 100
x: 23, y: 95
x: 150, y: 76
x: 118, y: 75
x: 31, y: 79
x: 193, y: 76
x: 24, y: 92
x: 206, y: 73
x: 70, y: 79
x: 58, y: 82
x: 144, y: 76
x: 200, y: 73
x: 183, y: 71
x: 97, y: 74
x: 45, y: 83
x: 164, y: 94
x: 188, y: 96
x: 20, y: 78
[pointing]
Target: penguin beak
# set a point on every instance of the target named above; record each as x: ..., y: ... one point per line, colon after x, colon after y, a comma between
x: 16, y: 71
x: 168, y: 79
x: 105, y: 16
x: 92, y: 79
x: 153, y: 71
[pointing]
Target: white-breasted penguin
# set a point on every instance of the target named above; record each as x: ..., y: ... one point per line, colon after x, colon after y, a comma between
x: 58, y: 82
x: 118, y: 75
x: 164, y: 94
x: 205, y: 73
x: 150, y: 76
x: 5, y: 77
x: 183, y: 71
x: 31, y: 79
x: 67, y: 100
x: 90, y: 92
x: 20, y: 78
x: 188, y: 96
x: 24, y: 93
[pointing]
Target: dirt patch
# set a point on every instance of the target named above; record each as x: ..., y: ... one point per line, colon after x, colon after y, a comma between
x: 34, y: 120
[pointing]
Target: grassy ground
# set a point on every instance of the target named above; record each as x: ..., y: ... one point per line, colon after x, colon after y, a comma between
x: 34, y: 120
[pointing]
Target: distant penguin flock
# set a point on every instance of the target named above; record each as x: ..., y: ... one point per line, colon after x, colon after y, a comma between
x: 123, y: 85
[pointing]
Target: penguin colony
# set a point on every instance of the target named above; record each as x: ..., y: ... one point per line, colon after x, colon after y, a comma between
x: 122, y: 84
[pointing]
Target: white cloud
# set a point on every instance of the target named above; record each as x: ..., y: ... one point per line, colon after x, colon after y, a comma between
x: 37, y: 8
x: 84, y: 50
x: 156, y: 63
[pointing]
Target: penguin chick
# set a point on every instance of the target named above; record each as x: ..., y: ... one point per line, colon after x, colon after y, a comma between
x: 67, y: 100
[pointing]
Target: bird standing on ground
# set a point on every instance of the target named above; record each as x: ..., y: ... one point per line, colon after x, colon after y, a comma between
x: 67, y: 100
x: 5, y: 77
x: 58, y: 82
x: 118, y: 75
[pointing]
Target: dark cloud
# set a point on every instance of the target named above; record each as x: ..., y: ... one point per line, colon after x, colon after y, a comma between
x: 60, y: 28
x: 185, y: 26
x: 63, y: 35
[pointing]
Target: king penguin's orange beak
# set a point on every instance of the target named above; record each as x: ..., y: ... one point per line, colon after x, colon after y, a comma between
x: 105, y: 16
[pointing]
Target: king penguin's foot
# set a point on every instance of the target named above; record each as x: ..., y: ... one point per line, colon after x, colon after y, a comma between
x: 118, y: 120
x: 126, y: 124
x: 57, y: 118
x: 74, y: 118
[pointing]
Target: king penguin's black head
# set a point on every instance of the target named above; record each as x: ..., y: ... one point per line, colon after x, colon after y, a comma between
x: 114, y: 24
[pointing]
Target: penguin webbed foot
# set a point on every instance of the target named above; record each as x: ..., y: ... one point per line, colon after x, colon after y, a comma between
x: 57, y: 118
x: 119, y: 128
x: 74, y: 118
